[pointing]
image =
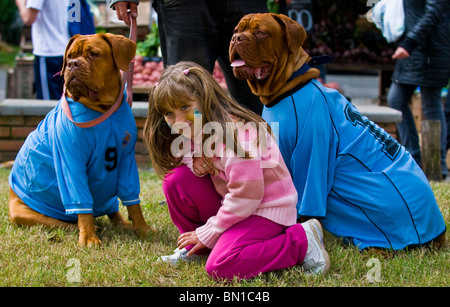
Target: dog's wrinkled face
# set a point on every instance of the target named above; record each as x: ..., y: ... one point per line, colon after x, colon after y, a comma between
x: 265, y: 50
x: 91, y: 67
x: 252, y: 52
x: 89, y: 60
x: 259, y: 43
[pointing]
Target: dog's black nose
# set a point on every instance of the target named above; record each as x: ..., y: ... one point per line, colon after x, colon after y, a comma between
x: 74, y: 64
x: 237, y: 38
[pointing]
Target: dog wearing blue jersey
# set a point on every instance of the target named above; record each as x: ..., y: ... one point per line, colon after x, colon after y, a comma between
x: 349, y: 173
x: 66, y: 175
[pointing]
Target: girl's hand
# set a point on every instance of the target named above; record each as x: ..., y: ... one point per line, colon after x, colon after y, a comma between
x: 190, y: 238
x: 201, y: 167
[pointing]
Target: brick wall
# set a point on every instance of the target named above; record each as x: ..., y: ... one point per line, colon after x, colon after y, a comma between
x: 13, y: 132
x: 141, y: 151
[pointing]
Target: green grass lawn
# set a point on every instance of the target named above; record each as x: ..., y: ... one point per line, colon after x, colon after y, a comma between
x: 41, y: 257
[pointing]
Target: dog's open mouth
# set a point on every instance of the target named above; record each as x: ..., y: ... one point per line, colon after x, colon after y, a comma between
x: 245, y: 72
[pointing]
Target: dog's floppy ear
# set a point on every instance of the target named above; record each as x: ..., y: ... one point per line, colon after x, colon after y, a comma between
x: 72, y: 39
x: 123, y: 49
x: 295, y: 33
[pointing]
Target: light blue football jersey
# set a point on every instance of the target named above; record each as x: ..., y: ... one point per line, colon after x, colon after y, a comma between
x: 63, y: 170
x: 363, y: 185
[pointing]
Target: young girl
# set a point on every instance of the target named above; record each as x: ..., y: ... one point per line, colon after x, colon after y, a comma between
x: 244, y: 213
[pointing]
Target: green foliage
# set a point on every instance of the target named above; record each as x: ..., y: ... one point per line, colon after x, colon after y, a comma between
x: 8, y: 55
x: 9, y: 21
x: 149, y: 47
x: 273, y: 6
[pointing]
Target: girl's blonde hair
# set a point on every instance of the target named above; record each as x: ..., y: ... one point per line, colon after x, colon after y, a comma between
x: 181, y: 83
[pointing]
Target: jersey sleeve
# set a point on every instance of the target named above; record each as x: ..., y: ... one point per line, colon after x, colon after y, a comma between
x: 312, y: 161
x: 129, y: 184
x: 70, y: 161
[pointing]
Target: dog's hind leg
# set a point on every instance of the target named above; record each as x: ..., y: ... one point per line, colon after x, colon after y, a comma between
x: 117, y: 219
x: 21, y: 214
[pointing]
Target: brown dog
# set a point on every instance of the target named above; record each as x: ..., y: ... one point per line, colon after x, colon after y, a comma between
x: 91, y: 68
x: 266, y: 50
x: 328, y: 145
x: 41, y: 176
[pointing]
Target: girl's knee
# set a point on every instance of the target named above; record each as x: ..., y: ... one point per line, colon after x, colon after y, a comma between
x: 222, y: 268
x: 176, y: 180
x: 215, y: 271
x: 176, y: 175
x: 183, y: 181
x: 210, y: 268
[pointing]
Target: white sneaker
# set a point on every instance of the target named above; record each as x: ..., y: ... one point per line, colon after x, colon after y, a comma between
x: 316, y: 258
x: 178, y: 255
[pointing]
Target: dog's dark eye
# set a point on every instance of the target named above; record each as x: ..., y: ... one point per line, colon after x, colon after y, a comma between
x: 94, y: 54
x: 261, y: 34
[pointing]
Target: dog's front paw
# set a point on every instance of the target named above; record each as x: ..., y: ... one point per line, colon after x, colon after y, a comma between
x: 139, y: 224
x: 89, y: 240
x: 117, y: 220
x: 87, y: 235
x: 143, y: 230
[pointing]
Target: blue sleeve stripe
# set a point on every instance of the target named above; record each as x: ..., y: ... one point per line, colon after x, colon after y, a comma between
x: 137, y: 200
x: 72, y: 211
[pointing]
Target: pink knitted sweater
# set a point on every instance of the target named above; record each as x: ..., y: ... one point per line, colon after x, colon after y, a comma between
x: 260, y: 185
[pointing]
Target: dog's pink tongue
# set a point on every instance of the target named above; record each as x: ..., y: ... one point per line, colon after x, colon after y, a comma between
x: 238, y: 63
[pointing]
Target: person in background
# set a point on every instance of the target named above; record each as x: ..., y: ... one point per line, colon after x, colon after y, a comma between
x: 422, y: 60
x: 200, y: 31
x: 51, y: 30
x: 49, y: 35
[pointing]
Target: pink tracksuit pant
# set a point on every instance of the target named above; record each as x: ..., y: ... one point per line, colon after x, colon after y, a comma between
x: 252, y: 246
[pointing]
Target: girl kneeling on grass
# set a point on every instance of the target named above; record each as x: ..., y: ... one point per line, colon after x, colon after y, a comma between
x: 244, y: 213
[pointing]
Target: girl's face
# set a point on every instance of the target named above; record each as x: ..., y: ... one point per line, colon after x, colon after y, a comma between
x: 186, y: 117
